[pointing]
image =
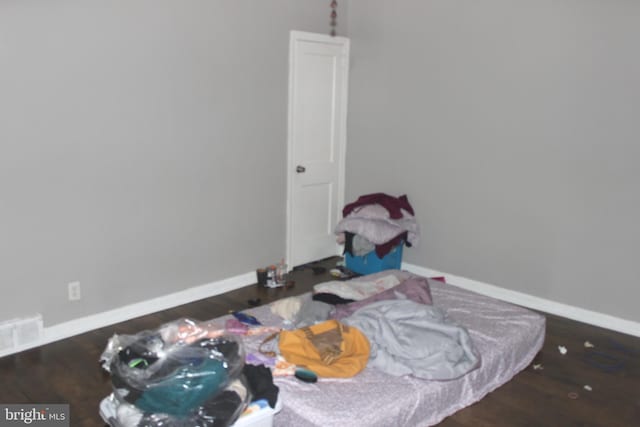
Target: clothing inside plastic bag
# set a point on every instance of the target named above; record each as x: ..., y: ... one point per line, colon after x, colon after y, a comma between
x: 180, y: 374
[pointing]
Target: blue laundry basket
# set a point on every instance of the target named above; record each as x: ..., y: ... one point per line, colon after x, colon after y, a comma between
x: 371, y: 263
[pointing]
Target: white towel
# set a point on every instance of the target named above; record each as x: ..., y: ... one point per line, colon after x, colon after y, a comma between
x: 357, y: 290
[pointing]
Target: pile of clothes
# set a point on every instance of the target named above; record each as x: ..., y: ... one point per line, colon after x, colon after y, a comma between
x: 407, y: 334
x: 184, y: 374
x: 377, y: 222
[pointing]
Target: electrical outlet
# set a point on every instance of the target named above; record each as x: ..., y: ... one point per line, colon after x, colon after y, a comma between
x: 74, y: 291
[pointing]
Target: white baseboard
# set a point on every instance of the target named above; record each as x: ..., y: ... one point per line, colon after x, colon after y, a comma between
x: 110, y: 317
x: 131, y: 311
x: 575, y: 313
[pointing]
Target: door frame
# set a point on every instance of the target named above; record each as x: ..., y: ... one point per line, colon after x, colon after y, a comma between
x: 344, y: 42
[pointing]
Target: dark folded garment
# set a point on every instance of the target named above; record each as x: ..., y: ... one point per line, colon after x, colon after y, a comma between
x: 331, y: 298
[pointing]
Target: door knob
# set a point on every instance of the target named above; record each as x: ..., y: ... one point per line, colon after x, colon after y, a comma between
x: 300, y: 169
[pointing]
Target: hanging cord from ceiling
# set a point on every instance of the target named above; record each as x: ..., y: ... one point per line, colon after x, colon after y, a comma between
x: 334, y: 17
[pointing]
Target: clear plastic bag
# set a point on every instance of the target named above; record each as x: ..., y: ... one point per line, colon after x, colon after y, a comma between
x: 220, y: 411
x: 174, y: 372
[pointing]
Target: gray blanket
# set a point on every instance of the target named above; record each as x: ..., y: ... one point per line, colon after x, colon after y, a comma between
x: 417, y: 339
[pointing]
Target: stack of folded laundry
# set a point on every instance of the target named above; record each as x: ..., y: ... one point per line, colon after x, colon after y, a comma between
x: 374, y: 229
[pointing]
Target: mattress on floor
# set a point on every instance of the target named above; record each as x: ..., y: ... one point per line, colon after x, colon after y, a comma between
x: 506, y: 336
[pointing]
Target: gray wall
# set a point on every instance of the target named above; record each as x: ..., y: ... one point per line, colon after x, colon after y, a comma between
x: 142, y: 146
x: 514, y: 127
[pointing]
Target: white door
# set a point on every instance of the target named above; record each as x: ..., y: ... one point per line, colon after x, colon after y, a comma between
x: 318, y: 77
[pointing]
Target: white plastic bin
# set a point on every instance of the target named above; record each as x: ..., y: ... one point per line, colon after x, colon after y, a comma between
x: 261, y: 418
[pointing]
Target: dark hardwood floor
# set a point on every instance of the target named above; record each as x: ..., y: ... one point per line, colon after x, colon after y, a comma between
x: 67, y: 371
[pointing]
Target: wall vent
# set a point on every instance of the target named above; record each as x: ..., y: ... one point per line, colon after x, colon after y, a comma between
x: 6, y: 337
x: 20, y: 332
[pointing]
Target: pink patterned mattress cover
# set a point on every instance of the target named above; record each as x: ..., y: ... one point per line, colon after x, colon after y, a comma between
x: 506, y: 336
